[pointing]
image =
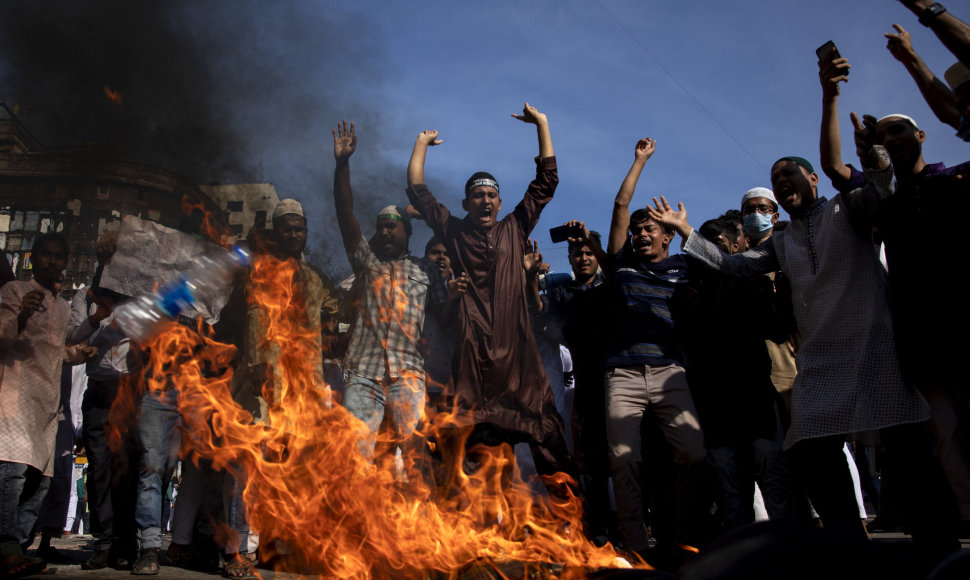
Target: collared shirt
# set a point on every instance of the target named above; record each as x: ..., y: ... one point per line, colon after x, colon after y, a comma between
x: 113, y: 346
x: 390, y: 320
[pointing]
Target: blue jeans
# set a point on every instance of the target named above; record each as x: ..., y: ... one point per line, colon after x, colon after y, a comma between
x: 237, y: 536
x: 22, y: 491
x: 370, y: 400
x: 158, y: 442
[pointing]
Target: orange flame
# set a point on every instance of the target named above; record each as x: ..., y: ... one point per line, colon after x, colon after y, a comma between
x: 307, y: 485
x: 208, y: 227
x: 113, y: 96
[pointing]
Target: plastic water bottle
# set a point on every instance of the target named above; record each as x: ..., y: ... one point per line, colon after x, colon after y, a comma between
x: 145, y: 316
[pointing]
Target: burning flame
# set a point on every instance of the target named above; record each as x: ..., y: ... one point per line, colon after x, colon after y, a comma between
x: 338, y: 514
x: 208, y: 227
x: 113, y: 96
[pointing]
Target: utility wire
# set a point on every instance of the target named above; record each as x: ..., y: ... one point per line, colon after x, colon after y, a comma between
x: 681, y: 85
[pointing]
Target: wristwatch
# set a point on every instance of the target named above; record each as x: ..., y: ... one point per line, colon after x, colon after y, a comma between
x: 930, y: 13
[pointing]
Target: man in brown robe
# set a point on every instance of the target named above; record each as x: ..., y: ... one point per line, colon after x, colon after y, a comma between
x: 500, y: 384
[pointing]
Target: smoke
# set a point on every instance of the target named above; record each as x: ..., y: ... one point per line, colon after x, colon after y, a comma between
x: 217, y: 91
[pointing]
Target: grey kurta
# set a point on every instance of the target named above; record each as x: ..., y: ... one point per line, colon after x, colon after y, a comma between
x: 848, y: 373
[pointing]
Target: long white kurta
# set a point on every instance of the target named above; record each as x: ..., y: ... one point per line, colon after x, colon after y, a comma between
x: 30, y: 376
x: 848, y: 374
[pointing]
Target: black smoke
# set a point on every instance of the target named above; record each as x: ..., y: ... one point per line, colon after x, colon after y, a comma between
x: 221, y: 92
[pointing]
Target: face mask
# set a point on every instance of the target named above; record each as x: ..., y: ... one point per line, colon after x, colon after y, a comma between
x: 964, y: 131
x: 757, y: 225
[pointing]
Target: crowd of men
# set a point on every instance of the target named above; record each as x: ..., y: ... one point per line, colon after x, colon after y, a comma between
x: 746, y: 362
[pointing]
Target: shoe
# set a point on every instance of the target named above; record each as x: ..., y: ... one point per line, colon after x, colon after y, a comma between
x: 96, y: 562
x: 147, y: 564
x: 239, y: 567
x: 52, y: 555
x: 18, y: 566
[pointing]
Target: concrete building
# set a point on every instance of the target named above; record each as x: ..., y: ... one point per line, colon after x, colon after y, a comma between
x: 84, y: 191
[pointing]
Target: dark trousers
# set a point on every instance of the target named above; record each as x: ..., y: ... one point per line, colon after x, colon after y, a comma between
x: 928, y: 506
x: 112, y: 475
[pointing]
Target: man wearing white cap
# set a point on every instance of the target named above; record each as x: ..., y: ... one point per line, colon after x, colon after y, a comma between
x: 245, y: 323
x: 384, y: 364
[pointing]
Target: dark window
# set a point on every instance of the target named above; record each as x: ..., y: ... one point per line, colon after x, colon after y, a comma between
x: 235, y: 206
x: 260, y: 221
x: 236, y: 229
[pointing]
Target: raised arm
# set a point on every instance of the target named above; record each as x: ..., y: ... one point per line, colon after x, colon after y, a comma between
x: 620, y: 223
x: 423, y: 203
x: 344, y: 145
x: 759, y: 260
x: 587, y: 240
x: 831, y: 72
x: 952, y: 32
x: 531, y: 115
x: 425, y: 139
x: 935, y: 91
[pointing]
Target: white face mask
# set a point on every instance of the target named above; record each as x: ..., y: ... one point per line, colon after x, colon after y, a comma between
x: 757, y: 224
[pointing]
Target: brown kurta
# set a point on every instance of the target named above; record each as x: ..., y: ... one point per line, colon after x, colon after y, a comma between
x: 498, y: 372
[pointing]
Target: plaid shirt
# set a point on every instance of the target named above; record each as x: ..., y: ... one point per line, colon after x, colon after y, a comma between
x: 390, y: 320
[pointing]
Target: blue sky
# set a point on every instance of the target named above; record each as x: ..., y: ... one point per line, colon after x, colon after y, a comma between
x: 217, y: 89
x: 725, y: 88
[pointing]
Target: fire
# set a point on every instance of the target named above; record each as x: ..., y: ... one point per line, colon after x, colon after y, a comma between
x: 208, y: 225
x: 113, y: 96
x: 333, y: 512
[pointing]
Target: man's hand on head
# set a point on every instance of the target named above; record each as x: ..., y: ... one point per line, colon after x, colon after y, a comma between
x: 344, y: 140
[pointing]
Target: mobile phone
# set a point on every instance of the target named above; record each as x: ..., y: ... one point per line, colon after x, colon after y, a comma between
x: 827, y: 51
x: 563, y: 233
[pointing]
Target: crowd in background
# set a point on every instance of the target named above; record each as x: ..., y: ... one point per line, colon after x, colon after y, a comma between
x: 799, y: 371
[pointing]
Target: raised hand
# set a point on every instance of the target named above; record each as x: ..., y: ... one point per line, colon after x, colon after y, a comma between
x: 429, y: 137
x: 32, y: 302
x: 413, y: 212
x: 584, y: 236
x: 663, y: 214
x: 831, y: 72
x: 900, y: 45
x: 871, y: 156
x: 457, y: 286
x: 644, y: 149
x: 532, y: 261
x: 531, y: 115
x: 344, y: 140
x: 865, y: 132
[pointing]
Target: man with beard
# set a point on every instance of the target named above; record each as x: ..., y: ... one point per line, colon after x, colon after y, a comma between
x: 33, y: 326
x: 928, y: 359
x: 384, y: 364
x: 848, y: 374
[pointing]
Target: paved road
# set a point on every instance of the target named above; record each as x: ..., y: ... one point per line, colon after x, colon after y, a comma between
x: 79, y: 547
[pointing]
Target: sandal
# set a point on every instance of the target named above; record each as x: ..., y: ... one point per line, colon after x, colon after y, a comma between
x: 239, y: 567
x: 18, y: 566
x: 147, y: 564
